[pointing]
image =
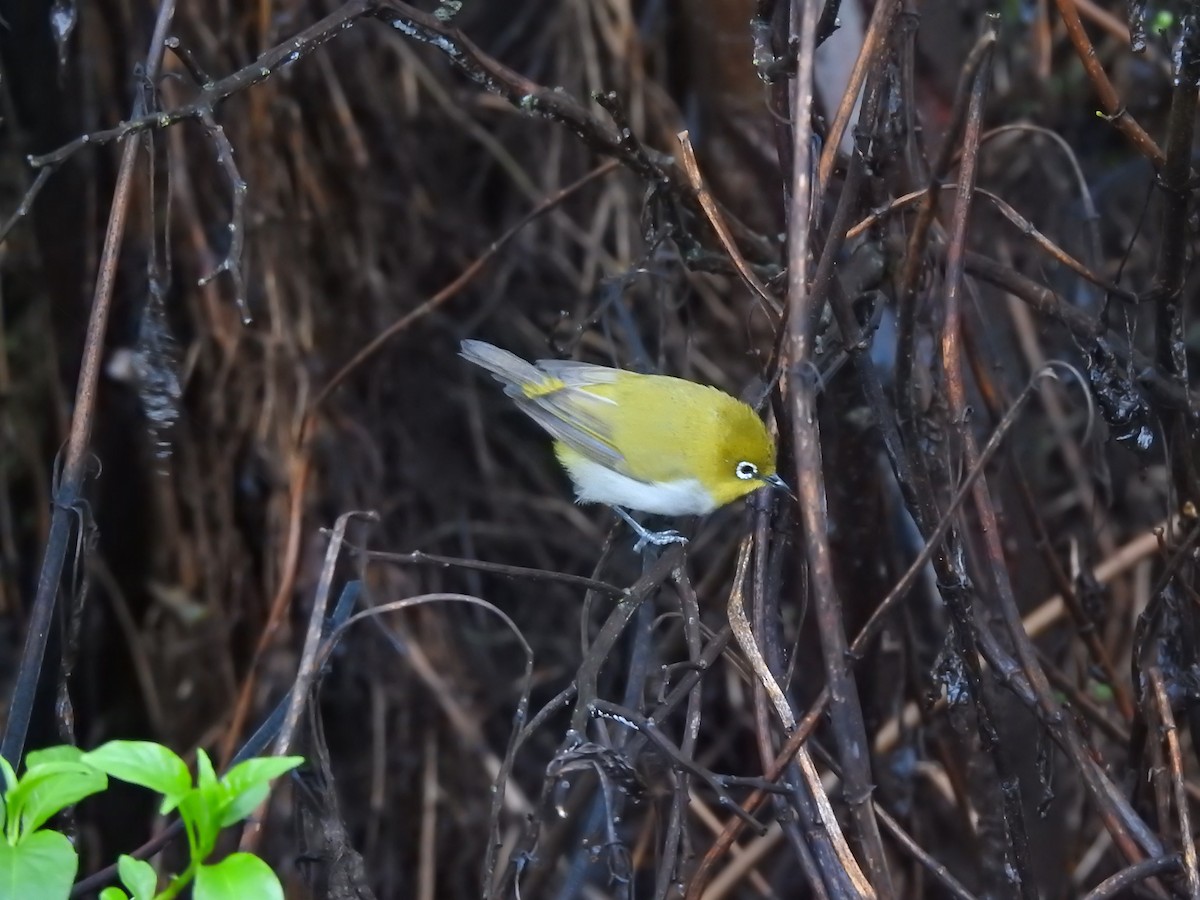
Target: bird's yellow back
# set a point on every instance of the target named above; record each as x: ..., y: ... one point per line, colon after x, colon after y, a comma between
x: 670, y: 429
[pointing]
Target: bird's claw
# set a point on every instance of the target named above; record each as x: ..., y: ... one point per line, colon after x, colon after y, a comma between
x: 658, y: 539
x: 645, y: 536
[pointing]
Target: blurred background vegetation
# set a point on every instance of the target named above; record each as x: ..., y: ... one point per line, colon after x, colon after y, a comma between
x: 377, y: 173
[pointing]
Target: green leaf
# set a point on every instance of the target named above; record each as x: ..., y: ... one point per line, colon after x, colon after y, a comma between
x: 206, y: 775
x: 11, y: 811
x: 247, y: 784
x: 54, y: 770
x: 10, y: 776
x: 11, y: 802
x: 235, y: 808
x: 260, y: 770
x: 53, y: 786
x: 143, y: 763
x: 138, y: 876
x: 113, y: 893
x: 57, y: 754
x: 210, y: 800
x: 14, y: 805
x: 200, y: 812
x: 237, y: 876
x: 42, y: 867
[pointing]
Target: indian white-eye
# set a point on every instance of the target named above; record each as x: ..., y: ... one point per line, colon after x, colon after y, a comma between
x: 651, y: 443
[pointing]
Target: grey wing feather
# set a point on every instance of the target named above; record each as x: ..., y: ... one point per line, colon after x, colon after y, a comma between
x: 568, y: 414
x: 565, y: 418
x: 574, y: 416
x: 507, y: 368
x: 577, y: 374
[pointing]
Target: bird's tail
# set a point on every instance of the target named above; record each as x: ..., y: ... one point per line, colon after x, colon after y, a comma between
x: 520, y: 378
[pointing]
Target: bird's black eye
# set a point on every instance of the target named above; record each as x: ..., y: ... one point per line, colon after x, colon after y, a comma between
x: 746, y: 471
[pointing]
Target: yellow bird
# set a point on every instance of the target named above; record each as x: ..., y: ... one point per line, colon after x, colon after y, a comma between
x: 650, y: 443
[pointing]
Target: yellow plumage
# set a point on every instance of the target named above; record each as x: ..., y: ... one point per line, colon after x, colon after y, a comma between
x: 647, y: 442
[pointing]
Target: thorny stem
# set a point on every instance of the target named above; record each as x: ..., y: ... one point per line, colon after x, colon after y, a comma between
x: 705, y: 198
x: 213, y: 92
x: 425, y: 28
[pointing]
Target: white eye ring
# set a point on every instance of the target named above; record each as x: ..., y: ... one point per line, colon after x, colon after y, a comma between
x: 746, y: 470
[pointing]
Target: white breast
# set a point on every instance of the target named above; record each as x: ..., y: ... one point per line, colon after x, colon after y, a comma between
x: 595, y: 483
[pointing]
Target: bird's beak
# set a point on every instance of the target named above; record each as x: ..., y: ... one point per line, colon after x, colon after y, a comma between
x: 776, y: 482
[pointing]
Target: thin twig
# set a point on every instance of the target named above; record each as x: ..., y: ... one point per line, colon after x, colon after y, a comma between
x: 1165, y: 392
x: 1170, y: 349
x: 709, y: 205
x: 420, y: 558
x: 1114, y: 809
x: 675, y: 845
x: 307, y: 671
x: 1026, y: 228
x: 589, y: 669
x: 871, y: 630
x: 744, y: 634
x: 1170, y: 734
x: 554, y: 104
x: 951, y: 357
x: 872, y: 51
x: 302, y: 469
x: 1109, y: 99
x: 914, y: 262
x: 845, y: 711
x: 1116, y: 885
x: 460, y: 281
x: 678, y: 758
x: 26, y: 203
x: 75, y: 466
x: 231, y: 263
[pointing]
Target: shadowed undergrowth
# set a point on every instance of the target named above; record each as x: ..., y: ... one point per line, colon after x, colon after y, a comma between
x: 977, y: 618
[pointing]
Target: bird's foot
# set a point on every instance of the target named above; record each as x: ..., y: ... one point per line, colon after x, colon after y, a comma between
x: 658, y: 539
x: 645, y: 536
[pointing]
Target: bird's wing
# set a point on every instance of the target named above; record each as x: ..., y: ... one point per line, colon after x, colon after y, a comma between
x: 574, y: 415
x: 578, y: 374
